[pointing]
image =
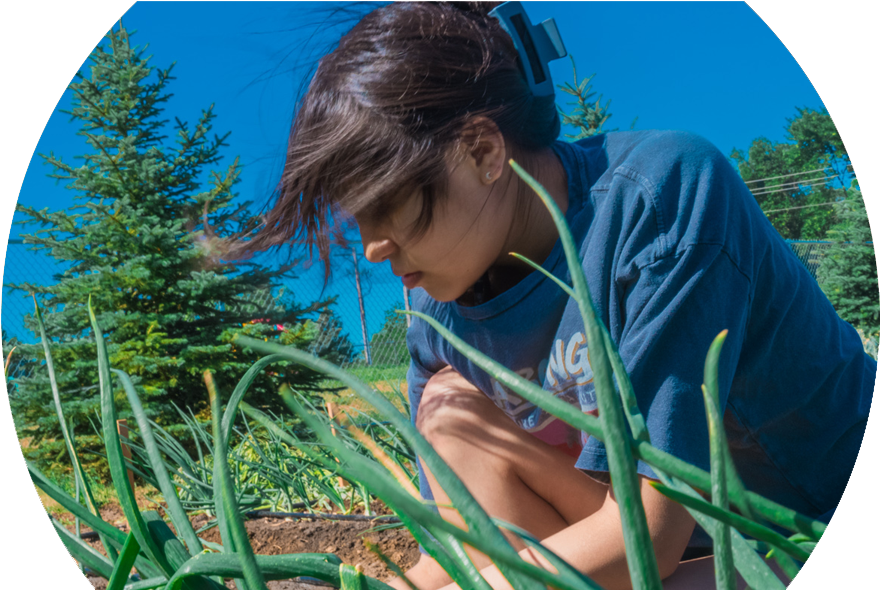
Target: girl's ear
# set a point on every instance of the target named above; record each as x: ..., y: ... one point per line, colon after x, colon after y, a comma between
x: 485, y: 147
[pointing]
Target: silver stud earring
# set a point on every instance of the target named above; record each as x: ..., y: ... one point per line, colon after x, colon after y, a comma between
x: 488, y: 176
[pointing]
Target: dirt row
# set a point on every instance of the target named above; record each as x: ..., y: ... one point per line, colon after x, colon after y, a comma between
x: 275, y: 536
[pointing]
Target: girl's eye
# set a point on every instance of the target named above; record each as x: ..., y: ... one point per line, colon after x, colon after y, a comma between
x: 407, y: 209
x: 384, y: 209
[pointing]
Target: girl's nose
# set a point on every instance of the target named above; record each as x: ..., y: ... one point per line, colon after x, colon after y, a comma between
x: 379, y: 250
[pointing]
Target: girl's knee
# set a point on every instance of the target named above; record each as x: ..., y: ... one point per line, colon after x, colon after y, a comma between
x: 448, y: 403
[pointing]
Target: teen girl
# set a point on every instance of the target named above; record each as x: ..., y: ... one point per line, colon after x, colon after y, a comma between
x: 408, y: 126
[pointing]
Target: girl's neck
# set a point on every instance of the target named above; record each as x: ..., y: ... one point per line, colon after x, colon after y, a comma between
x: 536, y: 234
x: 532, y: 233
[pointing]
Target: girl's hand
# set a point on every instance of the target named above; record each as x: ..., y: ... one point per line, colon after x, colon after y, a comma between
x: 426, y: 575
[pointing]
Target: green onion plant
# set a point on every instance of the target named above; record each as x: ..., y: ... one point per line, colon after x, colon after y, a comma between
x: 377, y: 459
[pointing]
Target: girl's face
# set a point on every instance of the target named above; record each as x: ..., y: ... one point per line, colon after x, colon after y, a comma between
x: 474, y: 227
x: 470, y: 231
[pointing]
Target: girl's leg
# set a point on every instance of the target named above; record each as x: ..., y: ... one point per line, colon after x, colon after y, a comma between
x: 513, y: 475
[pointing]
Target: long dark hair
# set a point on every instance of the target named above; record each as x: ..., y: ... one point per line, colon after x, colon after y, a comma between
x: 385, y: 107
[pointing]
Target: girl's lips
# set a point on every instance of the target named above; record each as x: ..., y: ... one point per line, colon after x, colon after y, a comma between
x: 411, y: 280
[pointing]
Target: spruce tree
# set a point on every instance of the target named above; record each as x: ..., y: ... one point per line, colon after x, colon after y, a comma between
x: 587, y: 116
x: 136, y: 243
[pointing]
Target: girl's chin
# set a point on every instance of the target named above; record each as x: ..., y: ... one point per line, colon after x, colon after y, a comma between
x: 441, y: 294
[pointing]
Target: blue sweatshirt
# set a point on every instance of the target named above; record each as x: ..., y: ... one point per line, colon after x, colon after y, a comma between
x: 675, y: 250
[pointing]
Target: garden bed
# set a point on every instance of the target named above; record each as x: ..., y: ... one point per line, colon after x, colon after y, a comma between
x: 276, y: 536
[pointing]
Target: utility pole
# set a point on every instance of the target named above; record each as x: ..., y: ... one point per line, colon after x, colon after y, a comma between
x: 357, y: 282
x: 407, y: 306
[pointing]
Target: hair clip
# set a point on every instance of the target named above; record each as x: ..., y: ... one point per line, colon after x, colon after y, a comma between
x: 537, y: 45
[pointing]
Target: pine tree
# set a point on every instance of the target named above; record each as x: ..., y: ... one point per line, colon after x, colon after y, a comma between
x: 848, y: 274
x: 586, y: 115
x: 136, y: 243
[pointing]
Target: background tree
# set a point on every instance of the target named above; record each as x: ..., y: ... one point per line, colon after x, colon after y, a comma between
x: 15, y: 365
x: 586, y: 115
x: 328, y: 339
x: 135, y: 242
x: 389, y: 343
x: 801, y: 186
x: 794, y: 181
x: 848, y: 273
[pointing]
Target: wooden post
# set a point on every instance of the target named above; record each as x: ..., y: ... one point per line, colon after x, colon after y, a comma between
x: 122, y: 429
x: 357, y: 282
x: 332, y: 415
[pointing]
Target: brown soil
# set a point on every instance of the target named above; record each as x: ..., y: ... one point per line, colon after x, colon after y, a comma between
x: 275, y: 536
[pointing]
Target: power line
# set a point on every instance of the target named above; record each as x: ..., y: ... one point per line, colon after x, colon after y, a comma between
x: 795, y: 183
x: 772, y: 189
x: 805, y: 172
x: 812, y: 205
x: 787, y: 175
x: 764, y: 190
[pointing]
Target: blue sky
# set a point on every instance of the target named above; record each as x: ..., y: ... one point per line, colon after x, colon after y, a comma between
x: 713, y: 68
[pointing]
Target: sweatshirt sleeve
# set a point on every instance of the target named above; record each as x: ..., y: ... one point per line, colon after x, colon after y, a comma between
x: 677, y: 306
x: 424, y: 363
x: 416, y: 378
x: 681, y: 274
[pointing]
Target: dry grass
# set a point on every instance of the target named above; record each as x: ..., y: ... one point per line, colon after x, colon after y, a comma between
x: 347, y: 402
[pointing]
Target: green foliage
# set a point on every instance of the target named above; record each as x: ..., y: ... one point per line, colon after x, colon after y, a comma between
x: 792, y: 180
x: 177, y: 558
x: 795, y: 183
x: 135, y: 241
x: 848, y: 273
x: 268, y: 473
x: 587, y: 115
x: 385, y: 470
x: 15, y: 365
x: 388, y: 345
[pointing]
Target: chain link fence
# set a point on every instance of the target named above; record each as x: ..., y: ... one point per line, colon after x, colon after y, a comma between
x: 809, y: 253
x: 22, y: 266
x: 362, y: 334
x: 368, y: 335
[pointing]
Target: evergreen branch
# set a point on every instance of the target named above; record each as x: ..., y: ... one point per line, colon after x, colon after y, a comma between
x: 101, y: 147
